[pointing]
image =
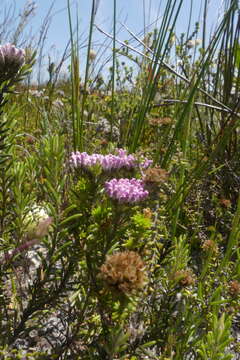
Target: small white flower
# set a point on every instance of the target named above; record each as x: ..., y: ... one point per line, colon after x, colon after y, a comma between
x: 58, y: 103
x: 37, y: 222
x: 36, y: 93
x: 190, y: 44
x: 194, y: 43
x: 92, y: 55
x: 60, y: 93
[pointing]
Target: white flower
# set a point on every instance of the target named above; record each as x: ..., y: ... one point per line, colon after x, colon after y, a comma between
x: 36, y: 93
x: 193, y: 43
x: 60, y: 93
x: 190, y: 44
x: 58, y: 103
x: 92, y: 55
x: 37, y: 213
x: 37, y: 222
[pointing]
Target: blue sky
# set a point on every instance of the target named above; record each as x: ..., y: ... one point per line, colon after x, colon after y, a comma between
x: 129, y: 12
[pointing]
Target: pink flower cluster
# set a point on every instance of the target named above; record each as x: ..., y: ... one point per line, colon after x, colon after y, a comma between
x: 11, y: 59
x: 108, y: 162
x: 126, y: 190
x: 10, y: 56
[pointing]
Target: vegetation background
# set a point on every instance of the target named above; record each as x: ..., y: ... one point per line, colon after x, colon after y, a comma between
x: 119, y: 185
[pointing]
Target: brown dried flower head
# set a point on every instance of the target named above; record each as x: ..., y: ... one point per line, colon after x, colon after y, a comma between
x: 183, y: 277
x: 234, y: 288
x: 155, y: 175
x: 30, y: 139
x: 124, y: 271
x: 104, y: 142
x: 147, y: 212
x: 225, y: 203
x: 210, y: 246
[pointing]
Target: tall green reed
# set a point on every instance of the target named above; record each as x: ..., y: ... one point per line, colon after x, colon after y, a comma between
x: 169, y: 19
x: 179, y: 134
x: 75, y: 86
x: 113, y: 64
x: 78, y: 104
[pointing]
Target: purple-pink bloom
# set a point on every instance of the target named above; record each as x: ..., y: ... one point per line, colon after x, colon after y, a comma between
x: 11, y: 59
x: 107, y: 162
x: 126, y: 190
x: 10, y: 54
x: 146, y: 163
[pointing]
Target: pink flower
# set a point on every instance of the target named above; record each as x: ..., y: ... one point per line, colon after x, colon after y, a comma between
x: 11, y: 59
x: 107, y: 162
x: 126, y: 190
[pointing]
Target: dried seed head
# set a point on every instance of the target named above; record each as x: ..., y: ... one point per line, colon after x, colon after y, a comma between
x: 183, y: 277
x: 210, y: 246
x: 147, y: 212
x: 124, y: 272
x: 225, y: 203
x: 234, y: 288
x: 30, y: 139
x: 155, y: 175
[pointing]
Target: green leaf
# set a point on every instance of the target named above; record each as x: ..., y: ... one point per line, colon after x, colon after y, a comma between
x: 70, y: 218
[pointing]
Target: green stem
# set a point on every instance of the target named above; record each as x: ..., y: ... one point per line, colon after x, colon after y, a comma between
x: 113, y: 64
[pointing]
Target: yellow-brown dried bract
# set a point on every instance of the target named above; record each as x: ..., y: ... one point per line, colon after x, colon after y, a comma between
x: 124, y: 271
x: 147, y: 212
x: 155, y: 175
x: 184, y: 277
x: 160, y: 121
x: 210, y: 246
